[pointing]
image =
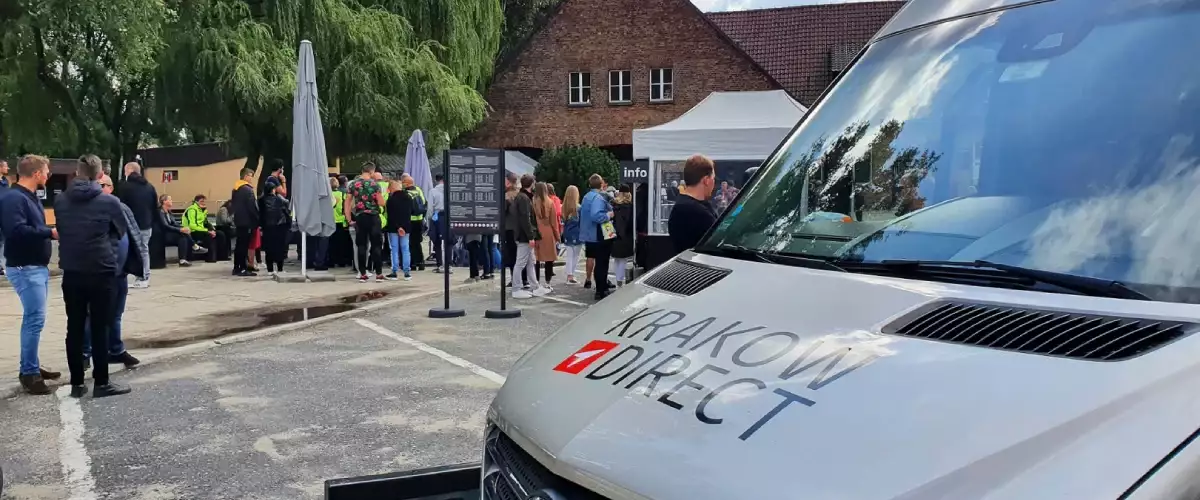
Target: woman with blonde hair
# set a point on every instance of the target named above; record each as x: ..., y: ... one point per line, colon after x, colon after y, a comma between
x: 546, y: 216
x: 570, y: 234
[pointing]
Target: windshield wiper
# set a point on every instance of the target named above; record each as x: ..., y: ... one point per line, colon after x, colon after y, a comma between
x: 1083, y: 285
x: 785, y: 259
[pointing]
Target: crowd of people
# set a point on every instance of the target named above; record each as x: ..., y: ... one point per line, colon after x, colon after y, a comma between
x: 103, y: 238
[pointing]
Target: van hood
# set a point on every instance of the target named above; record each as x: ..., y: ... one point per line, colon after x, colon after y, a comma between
x: 777, y: 380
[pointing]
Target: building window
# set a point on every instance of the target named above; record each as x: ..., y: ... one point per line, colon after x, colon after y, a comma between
x: 581, y: 88
x: 169, y: 176
x: 662, y: 85
x: 620, y: 86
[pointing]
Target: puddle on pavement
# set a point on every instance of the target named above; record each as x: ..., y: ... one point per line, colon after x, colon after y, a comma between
x: 234, y: 322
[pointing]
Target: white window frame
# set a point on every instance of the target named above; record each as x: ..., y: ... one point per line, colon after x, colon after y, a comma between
x: 576, y: 83
x: 624, y: 85
x: 662, y: 80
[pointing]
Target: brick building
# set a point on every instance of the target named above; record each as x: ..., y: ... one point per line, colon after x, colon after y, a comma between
x: 598, y: 69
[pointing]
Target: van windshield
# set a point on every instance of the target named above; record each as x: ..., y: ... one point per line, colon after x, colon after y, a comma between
x: 1061, y: 136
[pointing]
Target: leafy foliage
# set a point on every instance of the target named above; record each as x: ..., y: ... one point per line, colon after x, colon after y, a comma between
x: 112, y: 75
x: 572, y: 166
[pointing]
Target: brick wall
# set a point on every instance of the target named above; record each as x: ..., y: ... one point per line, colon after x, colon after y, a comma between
x: 529, y: 100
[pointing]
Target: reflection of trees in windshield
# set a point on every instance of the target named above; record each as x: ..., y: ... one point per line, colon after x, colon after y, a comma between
x: 883, y: 180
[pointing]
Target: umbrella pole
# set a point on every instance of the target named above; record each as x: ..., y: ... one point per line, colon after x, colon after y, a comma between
x: 304, y: 254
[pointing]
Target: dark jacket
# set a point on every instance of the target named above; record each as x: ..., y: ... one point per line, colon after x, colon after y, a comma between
x: 141, y: 198
x: 135, y: 249
x: 622, y: 247
x: 690, y: 219
x: 275, y: 211
x: 26, y: 236
x: 244, y: 206
x: 520, y: 218
x: 399, y: 212
x: 90, y: 225
x: 167, y: 222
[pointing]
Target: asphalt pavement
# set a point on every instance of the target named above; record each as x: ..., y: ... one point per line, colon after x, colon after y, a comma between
x: 273, y: 418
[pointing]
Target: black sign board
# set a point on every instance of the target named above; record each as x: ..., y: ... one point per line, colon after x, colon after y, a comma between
x: 475, y: 183
x: 635, y: 172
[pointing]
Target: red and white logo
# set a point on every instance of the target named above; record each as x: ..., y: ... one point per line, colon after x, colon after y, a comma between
x: 594, y: 350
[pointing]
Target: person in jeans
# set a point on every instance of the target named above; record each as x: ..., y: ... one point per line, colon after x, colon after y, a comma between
x: 131, y: 253
x: 594, y: 211
x: 142, y: 199
x: 437, y: 223
x: 362, y: 207
x: 399, y: 210
x: 91, y: 225
x: 570, y: 235
x: 173, y: 233
x: 526, y: 234
x: 245, y: 222
x: 27, y: 251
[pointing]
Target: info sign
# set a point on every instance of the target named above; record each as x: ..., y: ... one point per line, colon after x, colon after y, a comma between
x: 475, y: 184
x: 635, y: 172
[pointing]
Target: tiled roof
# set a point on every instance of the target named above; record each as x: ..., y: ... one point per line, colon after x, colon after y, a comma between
x: 801, y: 46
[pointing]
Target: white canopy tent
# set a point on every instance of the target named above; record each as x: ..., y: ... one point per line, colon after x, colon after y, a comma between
x: 517, y: 162
x: 725, y: 126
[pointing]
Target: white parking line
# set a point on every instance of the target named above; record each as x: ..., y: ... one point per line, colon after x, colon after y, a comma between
x: 76, y: 463
x: 423, y: 347
x: 565, y: 301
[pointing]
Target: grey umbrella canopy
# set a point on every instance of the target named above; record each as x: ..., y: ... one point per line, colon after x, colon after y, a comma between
x: 311, y: 199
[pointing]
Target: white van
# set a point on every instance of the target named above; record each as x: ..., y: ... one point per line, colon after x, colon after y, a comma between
x: 1006, y: 307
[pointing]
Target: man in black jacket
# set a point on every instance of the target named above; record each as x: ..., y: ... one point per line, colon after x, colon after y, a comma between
x: 245, y: 220
x: 90, y: 226
x: 142, y: 199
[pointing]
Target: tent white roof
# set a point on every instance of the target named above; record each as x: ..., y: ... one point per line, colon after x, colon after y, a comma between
x: 724, y: 126
x: 518, y: 162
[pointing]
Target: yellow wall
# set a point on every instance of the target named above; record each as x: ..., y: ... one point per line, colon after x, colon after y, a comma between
x: 214, y: 181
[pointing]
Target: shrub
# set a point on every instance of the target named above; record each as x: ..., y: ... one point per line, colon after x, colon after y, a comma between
x: 572, y: 165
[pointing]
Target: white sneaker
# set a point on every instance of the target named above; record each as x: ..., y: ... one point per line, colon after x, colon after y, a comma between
x: 141, y: 284
x: 541, y: 291
x: 522, y: 294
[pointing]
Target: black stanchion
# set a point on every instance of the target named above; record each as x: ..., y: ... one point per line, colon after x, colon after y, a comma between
x: 503, y: 312
x: 446, y: 312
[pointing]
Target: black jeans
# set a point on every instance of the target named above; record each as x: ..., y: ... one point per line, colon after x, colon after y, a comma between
x: 208, y: 241
x: 341, y: 249
x: 89, y: 299
x: 414, y: 244
x: 602, y: 252
x: 182, y: 242
x: 369, y: 232
x: 318, y: 252
x: 275, y: 243
x: 241, y: 248
x: 480, y: 256
x: 437, y: 233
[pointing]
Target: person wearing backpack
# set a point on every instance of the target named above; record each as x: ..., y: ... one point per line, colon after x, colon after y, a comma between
x: 416, y: 222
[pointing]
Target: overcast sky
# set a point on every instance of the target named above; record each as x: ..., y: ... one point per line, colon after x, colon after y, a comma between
x: 719, y: 5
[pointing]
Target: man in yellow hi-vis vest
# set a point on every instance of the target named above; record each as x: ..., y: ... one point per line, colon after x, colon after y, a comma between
x: 418, y: 222
x: 341, y: 248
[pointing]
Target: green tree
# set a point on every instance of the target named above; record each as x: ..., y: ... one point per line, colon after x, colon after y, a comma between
x: 229, y: 69
x: 94, y: 66
x: 572, y: 165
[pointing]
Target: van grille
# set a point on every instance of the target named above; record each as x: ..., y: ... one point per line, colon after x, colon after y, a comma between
x: 1052, y: 333
x: 512, y: 474
x: 685, y: 278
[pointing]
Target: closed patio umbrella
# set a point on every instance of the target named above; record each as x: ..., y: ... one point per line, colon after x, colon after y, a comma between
x: 311, y: 197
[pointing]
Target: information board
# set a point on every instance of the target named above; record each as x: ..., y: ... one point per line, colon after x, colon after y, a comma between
x: 475, y: 179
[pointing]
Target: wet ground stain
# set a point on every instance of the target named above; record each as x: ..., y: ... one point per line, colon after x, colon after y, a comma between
x: 249, y: 320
